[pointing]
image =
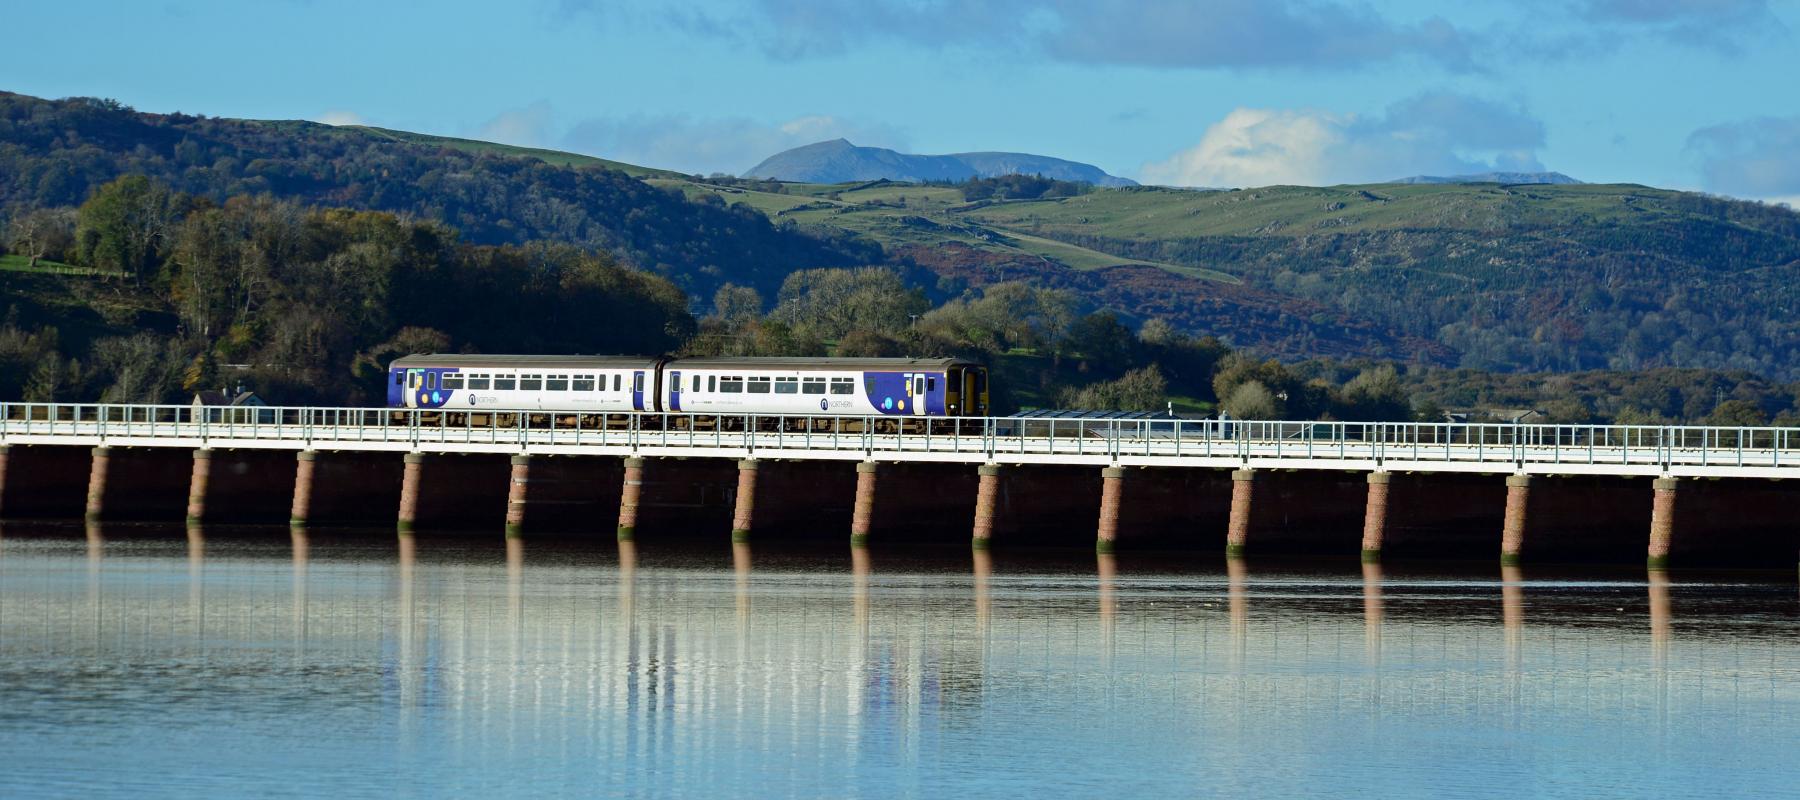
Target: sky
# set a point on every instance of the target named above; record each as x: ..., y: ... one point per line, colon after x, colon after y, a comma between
x: 1684, y: 94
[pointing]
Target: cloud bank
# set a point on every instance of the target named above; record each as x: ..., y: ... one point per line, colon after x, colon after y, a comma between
x: 1206, y: 34
x: 1436, y: 133
x: 1148, y: 33
x: 1757, y: 159
x: 341, y: 117
x: 526, y: 127
x: 1722, y: 25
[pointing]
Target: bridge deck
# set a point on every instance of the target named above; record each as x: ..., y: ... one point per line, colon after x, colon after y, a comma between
x: 1673, y: 451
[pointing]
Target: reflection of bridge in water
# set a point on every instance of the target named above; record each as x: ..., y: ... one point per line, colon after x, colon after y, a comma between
x: 1250, y: 449
x: 510, y: 640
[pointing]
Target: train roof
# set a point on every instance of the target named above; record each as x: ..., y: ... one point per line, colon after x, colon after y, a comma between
x: 846, y: 364
x: 478, y: 360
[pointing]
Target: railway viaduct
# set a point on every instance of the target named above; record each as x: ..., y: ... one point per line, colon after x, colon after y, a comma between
x: 1156, y: 480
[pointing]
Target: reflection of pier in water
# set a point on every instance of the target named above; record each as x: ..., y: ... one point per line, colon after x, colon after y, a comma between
x: 1512, y: 615
x: 1372, y: 613
x: 508, y: 635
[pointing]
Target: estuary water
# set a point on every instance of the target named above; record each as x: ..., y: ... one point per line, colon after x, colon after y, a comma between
x: 155, y: 662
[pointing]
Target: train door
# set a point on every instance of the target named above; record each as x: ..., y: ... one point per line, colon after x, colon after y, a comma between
x: 969, y: 398
x: 915, y: 393
x: 637, y: 390
x: 675, y: 390
x: 935, y: 390
x: 415, y: 380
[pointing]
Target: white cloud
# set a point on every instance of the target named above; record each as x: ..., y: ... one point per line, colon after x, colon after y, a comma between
x: 525, y: 127
x: 1436, y: 133
x: 1256, y: 147
x: 1722, y: 25
x: 341, y: 117
x: 1755, y: 158
x: 1148, y: 33
x: 708, y: 145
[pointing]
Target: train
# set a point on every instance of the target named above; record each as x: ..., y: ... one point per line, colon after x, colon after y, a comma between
x: 829, y: 387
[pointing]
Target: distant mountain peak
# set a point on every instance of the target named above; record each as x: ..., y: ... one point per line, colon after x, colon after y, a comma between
x: 839, y: 161
x: 1494, y: 177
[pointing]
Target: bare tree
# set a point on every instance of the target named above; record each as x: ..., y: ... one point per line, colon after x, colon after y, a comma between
x: 42, y: 233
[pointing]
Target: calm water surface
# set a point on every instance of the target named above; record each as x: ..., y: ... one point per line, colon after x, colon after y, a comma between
x: 145, y: 662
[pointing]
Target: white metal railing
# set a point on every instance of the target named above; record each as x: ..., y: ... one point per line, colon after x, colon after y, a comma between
x: 986, y: 438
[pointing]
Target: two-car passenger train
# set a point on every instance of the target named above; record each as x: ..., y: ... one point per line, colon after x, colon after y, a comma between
x: 903, y: 387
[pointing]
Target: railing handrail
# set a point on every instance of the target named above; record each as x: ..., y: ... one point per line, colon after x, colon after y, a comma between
x: 1498, y: 444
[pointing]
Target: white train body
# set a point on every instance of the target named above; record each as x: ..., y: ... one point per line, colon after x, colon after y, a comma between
x: 788, y: 386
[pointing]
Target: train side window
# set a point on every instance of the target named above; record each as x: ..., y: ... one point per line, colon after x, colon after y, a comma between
x: 478, y: 382
x: 758, y: 384
x: 399, y: 378
x: 812, y: 386
x: 615, y: 382
x: 918, y: 386
x: 696, y: 383
x: 504, y: 383
x: 637, y: 382
x: 583, y: 383
x: 731, y: 384
x: 843, y: 386
x: 531, y: 383
x: 431, y: 380
x: 452, y: 381
x: 787, y: 385
x: 931, y: 383
x: 556, y: 383
x: 712, y: 383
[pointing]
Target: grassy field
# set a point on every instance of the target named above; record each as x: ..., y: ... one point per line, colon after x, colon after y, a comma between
x: 17, y: 263
x: 910, y: 214
x: 914, y: 197
x: 1082, y: 258
x: 769, y: 203
x: 1156, y: 213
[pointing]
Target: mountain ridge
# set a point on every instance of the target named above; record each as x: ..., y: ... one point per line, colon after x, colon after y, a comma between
x: 840, y: 161
x: 1551, y: 178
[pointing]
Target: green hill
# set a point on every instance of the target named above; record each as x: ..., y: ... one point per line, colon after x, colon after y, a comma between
x: 1494, y: 276
x: 54, y: 153
x: 1486, y: 275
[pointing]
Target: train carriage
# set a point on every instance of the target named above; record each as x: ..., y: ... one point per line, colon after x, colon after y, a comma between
x: 524, y: 383
x: 716, y: 387
x: 904, y: 387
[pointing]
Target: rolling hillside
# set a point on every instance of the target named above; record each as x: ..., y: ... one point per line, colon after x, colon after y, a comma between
x: 1494, y: 276
x: 54, y: 154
